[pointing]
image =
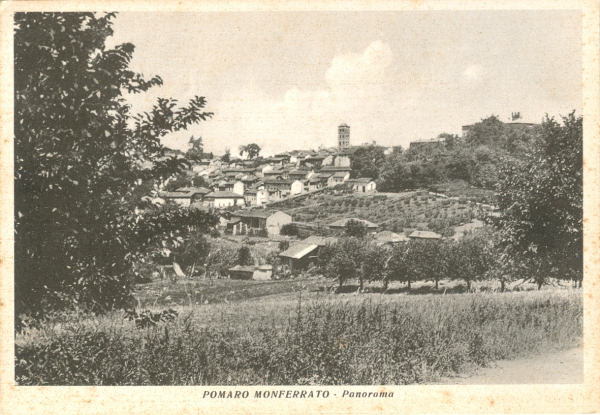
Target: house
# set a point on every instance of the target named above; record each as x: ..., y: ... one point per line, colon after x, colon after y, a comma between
x: 251, y: 272
x: 299, y: 256
x: 185, y: 196
x: 298, y: 174
x: 324, y: 178
x: 256, y: 197
x: 341, y: 224
x: 275, y: 174
x: 241, y: 272
x: 389, y: 238
x: 334, y: 169
x: 296, y: 187
x: 314, y: 183
x: 338, y: 177
x: 424, y: 235
x: 362, y: 185
x: 238, y: 187
x: 266, y: 220
x: 313, y: 161
x: 223, y: 199
x: 278, y: 186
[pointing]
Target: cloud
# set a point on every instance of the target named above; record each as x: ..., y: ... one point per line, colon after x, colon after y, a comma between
x: 473, y: 73
x: 358, y: 91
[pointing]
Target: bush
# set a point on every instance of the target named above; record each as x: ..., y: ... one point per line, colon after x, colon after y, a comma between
x: 289, y: 229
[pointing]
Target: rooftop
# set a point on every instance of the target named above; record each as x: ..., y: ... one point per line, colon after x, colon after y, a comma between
x: 224, y: 195
x: 342, y: 223
x: 361, y: 180
x: 298, y: 250
x: 252, y: 213
x: 390, y: 237
x: 425, y: 235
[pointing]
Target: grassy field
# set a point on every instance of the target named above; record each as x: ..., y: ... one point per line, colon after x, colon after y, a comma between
x: 306, y: 337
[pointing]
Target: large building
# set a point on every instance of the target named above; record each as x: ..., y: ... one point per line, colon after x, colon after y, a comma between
x: 343, y: 136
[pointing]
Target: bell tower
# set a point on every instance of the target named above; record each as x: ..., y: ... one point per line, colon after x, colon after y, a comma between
x: 343, y: 136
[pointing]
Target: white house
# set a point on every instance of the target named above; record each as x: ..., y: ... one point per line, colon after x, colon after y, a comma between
x: 338, y: 177
x: 297, y: 187
x: 263, y: 219
x: 256, y: 197
x: 362, y: 185
x: 223, y: 199
x: 238, y: 187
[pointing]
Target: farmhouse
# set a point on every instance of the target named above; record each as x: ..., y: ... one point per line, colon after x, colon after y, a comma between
x: 424, y: 235
x: 341, y: 224
x: 362, y: 185
x: 300, y: 256
x: 263, y: 220
x: 223, y: 199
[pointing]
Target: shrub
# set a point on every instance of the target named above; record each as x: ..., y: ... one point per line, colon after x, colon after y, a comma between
x: 290, y: 229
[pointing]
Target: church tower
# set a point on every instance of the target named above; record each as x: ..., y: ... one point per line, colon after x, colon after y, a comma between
x: 343, y: 136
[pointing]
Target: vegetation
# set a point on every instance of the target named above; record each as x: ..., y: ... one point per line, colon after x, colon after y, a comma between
x: 293, y: 342
x: 80, y: 157
x: 355, y: 228
x: 541, y: 198
x: 251, y: 150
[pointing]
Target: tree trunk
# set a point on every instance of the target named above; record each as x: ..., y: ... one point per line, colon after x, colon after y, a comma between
x: 360, y: 284
x: 340, y: 286
x: 468, y: 285
x: 539, y: 284
x: 408, y: 285
x: 436, y: 285
x: 385, y: 284
x: 581, y: 283
x: 502, y: 285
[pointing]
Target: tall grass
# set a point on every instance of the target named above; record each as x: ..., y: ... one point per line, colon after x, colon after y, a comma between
x: 354, y: 341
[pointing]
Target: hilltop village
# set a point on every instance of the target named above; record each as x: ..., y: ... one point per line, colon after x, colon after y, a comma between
x: 263, y: 181
x: 292, y: 205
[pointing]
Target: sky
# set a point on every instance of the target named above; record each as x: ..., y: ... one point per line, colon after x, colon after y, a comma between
x: 286, y: 80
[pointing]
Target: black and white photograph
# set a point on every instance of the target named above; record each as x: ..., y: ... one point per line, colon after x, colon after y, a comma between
x: 297, y: 199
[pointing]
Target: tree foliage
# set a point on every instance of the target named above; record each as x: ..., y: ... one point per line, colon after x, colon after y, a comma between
x: 355, y: 228
x: 252, y: 150
x: 541, y: 197
x: 366, y: 161
x: 80, y: 156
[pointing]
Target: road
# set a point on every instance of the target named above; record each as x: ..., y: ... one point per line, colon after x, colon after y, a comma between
x: 556, y: 367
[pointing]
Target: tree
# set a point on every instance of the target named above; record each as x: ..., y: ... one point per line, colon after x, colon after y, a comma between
x: 366, y: 161
x: 195, y: 150
x: 345, y: 261
x: 80, y: 158
x: 226, y: 157
x: 468, y: 259
x: 244, y: 256
x: 374, y: 264
x: 489, y: 130
x: 252, y: 150
x: 541, y: 197
x: 398, y: 265
x: 355, y: 228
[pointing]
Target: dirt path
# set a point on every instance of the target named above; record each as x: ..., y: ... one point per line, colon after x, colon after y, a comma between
x: 556, y: 367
